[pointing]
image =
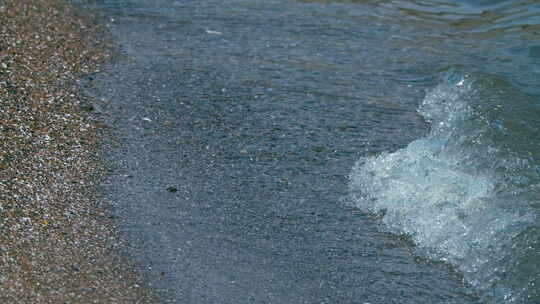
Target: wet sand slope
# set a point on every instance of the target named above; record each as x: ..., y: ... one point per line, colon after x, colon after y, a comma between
x: 57, y: 244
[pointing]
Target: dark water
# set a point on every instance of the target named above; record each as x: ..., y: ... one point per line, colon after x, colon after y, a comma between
x: 326, y: 151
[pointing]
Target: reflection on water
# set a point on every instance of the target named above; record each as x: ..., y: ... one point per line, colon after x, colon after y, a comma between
x: 500, y: 37
x: 479, y: 19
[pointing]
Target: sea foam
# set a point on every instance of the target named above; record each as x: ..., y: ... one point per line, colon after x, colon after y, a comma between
x: 467, y: 193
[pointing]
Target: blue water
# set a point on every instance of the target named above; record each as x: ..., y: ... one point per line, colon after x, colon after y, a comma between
x: 467, y: 193
x: 327, y: 151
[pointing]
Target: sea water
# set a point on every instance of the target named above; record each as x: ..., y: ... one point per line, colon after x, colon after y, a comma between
x: 468, y: 192
x: 272, y: 118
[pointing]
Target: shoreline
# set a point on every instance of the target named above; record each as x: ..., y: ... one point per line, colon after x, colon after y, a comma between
x: 58, y: 242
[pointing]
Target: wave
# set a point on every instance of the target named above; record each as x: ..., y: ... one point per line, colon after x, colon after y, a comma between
x: 469, y: 192
x: 479, y: 19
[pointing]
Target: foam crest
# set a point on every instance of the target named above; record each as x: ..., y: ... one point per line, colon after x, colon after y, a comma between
x: 464, y: 193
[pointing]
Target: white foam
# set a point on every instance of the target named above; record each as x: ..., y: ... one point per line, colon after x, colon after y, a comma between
x: 447, y: 194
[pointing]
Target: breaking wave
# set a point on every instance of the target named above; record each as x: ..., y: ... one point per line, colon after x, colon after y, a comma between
x: 469, y: 192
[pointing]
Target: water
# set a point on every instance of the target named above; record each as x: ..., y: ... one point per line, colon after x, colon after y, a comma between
x: 326, y: 151
x: 468, y: 192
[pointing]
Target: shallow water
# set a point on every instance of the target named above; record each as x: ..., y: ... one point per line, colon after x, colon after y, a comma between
x: 468, y: 192
x: 326, y: 151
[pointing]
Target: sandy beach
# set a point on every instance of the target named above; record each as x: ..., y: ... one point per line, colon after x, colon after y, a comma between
x: 57, y: 242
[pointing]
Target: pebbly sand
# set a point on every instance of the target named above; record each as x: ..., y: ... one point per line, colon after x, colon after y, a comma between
x: 57, y: 241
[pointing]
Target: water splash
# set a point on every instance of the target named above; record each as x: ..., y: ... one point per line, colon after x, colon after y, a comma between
x: 468, y: 192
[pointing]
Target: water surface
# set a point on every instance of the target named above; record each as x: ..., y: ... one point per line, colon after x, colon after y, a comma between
x: 312, y: 145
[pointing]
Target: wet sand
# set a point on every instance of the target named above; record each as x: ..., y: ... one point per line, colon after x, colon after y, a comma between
x: 57, y: 241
